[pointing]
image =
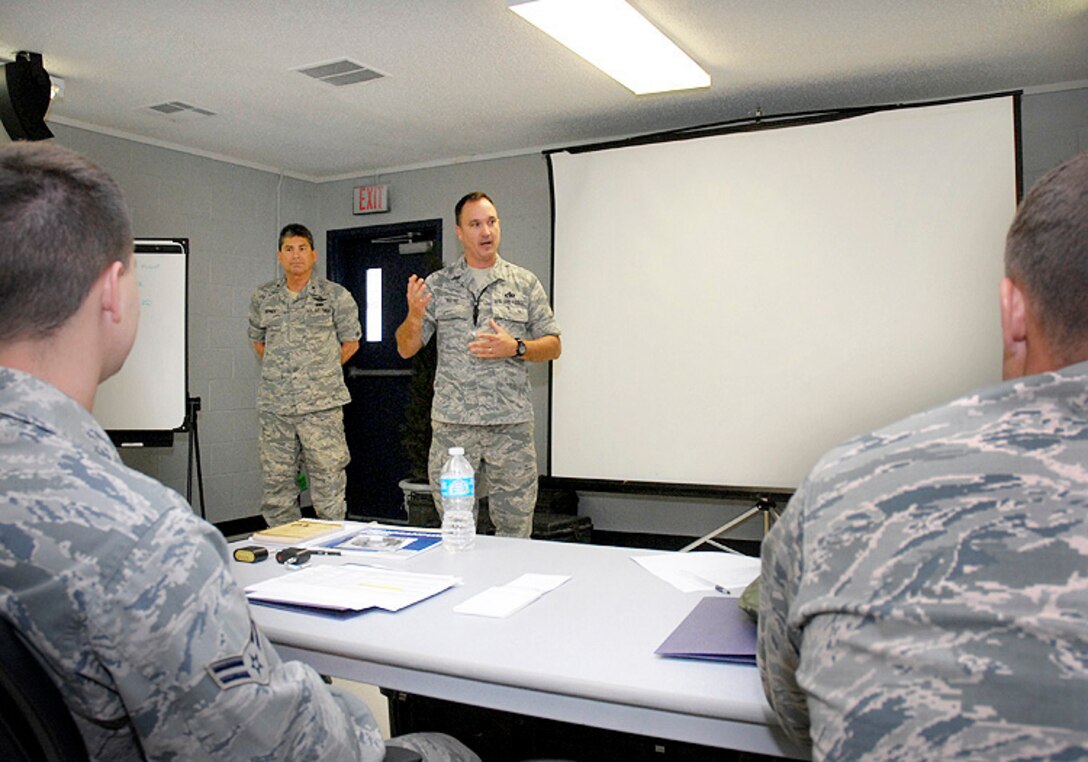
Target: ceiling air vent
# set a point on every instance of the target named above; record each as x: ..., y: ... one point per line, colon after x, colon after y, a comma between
x: 341, y: 73
x: 179, y: 109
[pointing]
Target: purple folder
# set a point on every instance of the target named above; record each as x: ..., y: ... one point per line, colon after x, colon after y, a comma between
x: 716, y: 629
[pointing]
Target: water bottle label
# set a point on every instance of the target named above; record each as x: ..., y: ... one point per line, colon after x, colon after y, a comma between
x: 458, y: 487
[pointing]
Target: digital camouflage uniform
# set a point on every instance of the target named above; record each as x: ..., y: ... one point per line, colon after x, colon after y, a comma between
x: 925, y: 594
x: 301, y: 393
x: 125, y: 596
x: 484, y: 405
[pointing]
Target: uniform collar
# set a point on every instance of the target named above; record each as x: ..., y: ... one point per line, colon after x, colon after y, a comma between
x: 29, y: 399
x: 499, y: 270
x: 313, y: 284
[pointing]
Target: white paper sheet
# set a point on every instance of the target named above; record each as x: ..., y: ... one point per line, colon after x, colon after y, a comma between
x: 504, y: 600
x: 728, y: 573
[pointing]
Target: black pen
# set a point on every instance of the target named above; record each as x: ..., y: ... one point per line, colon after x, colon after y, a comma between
x: 721, y: 589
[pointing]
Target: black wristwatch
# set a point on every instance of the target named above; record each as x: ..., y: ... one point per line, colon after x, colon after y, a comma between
x: 521, y: 348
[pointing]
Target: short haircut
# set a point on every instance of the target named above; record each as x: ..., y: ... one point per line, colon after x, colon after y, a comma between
x: 468, y: 198
x: 294, y: 230
x: 1046, y: 253
x: 63, y: 221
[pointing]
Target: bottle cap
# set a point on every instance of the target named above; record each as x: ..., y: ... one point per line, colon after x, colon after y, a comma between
x: 457, y: 451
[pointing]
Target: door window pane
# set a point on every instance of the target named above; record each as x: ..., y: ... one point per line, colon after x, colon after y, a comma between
x: 374, y: 305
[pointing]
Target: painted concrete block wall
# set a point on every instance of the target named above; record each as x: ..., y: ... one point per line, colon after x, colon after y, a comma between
x: 1054, y: 126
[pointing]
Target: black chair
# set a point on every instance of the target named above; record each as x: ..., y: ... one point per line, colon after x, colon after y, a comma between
x: 35, y: 723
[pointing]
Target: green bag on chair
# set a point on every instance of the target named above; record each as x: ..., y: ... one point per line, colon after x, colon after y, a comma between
x: 749, y: 600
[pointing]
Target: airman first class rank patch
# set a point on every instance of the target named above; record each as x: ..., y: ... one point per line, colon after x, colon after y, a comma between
x: 241, y: 669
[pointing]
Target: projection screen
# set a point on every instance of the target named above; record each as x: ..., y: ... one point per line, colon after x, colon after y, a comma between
x: 733, y: 306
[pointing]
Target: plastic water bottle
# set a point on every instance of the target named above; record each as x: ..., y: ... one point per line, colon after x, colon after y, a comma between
x: 458, y: 484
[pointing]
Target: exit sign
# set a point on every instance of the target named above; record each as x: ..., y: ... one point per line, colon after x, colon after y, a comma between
x: 371, y: 198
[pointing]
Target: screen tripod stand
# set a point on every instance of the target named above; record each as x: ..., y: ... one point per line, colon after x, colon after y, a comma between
x: 764, y: 505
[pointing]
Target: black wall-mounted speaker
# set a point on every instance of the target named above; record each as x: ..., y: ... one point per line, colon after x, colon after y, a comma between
x: 24, y: 97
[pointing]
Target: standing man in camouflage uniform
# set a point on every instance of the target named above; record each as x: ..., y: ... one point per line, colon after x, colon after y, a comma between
x: 116, y: 586
x: 491, y: 317
x: 925, y: 594
x: 303, y: 328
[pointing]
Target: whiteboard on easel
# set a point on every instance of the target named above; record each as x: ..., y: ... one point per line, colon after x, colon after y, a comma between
x: 150, y: 393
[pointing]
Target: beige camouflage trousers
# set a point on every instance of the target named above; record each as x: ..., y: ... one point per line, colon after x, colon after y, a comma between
x: 320, y: 437
x: 504, y: 457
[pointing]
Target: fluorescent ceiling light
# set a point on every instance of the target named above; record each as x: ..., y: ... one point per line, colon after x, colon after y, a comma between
x: 618, y: 40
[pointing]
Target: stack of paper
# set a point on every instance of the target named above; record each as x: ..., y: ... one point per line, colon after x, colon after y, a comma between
x: 350, y: 587
x: 297, y: 532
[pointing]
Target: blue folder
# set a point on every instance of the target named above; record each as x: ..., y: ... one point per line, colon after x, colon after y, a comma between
x: 716, y: 629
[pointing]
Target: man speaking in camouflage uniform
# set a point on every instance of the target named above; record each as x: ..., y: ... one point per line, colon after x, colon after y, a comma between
x: 491, y: 317
x: 116, y: 586
x: 925, y: 594
x: 303, y: 328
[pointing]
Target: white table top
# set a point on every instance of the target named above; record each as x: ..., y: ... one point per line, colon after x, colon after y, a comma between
x: 583, y: 652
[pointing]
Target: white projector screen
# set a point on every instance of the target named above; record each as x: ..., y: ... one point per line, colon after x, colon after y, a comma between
x: 734, y: 306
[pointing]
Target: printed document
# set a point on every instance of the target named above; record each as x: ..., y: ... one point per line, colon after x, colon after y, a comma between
x: 350, y: 587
